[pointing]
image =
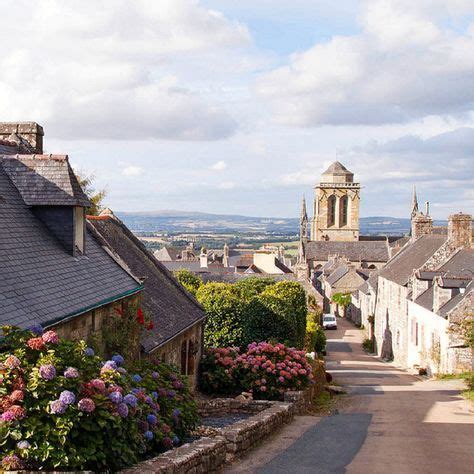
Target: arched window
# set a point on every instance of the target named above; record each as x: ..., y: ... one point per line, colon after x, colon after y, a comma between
x: 331, y: 210
x: 344, y: 211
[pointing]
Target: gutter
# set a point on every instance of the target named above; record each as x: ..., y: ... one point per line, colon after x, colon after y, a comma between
x: 86, y: 309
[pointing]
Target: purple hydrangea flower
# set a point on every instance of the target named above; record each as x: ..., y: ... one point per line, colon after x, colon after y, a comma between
x: 71, y: 373
x: 87, y: 405
x: 12, y: 362
x: 155, y: 375
x: 47, y: 372
x: 171, y: 393
x: 7, y: 416
x: 152, y: 419
x: 36, y: 329
x: 67, y: 397
x: 148, y: 400
x: 130, y: 400
x: 148, y: 435
x: 50, y: 337
x: 122, y: 410
x: 57, y: 407
x: 176, y: 440
x: 118, y: 359
x: 23, y: 444
x: 137, y: 378
x: 111, y: 364
x: 116, y: 397
x: 135, y: 390
x: 89, y: 352
x: 154, y: 395
x: 176, y: 412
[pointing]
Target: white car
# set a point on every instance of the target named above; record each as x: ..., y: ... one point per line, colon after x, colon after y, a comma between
x: 329, y: 321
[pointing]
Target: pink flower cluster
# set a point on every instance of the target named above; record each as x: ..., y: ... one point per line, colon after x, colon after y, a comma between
x: 265, y: 367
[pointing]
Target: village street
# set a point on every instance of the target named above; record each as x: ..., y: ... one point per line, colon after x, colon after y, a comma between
x: 390, y: 422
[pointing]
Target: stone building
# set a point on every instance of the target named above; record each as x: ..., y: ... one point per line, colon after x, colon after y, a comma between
x: 408, y: 291
x: 53, y: 271
x: 178, y: 329
x: 336, y: 206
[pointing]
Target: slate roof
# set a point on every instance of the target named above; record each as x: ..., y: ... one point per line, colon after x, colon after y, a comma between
x: 411, y: 257
x: 170, y: 306
x: 337, y: 168
x: 426, y: 299
x: 366, y: 251
x: 461, y: 264
x: 337, y: 274
x: 44, y: 180
x: 40, y: 282
x: 452, y: 303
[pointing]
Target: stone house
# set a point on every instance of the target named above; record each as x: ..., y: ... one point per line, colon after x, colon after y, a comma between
x: 362, y: 308
x: 178, y: 319
x: 398, y: 286
x: 53, y: 271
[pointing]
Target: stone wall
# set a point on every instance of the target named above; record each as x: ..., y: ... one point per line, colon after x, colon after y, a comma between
x: 190, y: 340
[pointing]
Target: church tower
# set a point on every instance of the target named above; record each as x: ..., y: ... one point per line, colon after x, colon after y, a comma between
x: 336, y: 206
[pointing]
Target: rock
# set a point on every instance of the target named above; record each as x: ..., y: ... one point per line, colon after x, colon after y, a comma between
x: 335, y: 389
x: 241, y: 398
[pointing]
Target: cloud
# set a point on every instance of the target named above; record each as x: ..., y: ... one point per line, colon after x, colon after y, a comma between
x: 131, y: 171
x: 405, y: 64
x: 226, y: 185
x: 219, y: 166
x: 104, y: 73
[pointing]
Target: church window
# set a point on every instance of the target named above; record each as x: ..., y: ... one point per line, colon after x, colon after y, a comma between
x: 344, y: 206
x: 331, y: 210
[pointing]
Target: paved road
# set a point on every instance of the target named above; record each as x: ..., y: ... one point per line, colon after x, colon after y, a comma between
x: 393, y: 422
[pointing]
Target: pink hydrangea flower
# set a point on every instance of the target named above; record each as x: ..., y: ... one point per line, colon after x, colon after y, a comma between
x: 50, y: 337
x: 86, y: 405
x: 12, y: 362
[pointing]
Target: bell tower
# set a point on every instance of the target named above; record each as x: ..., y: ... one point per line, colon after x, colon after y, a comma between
x: 336, y: 206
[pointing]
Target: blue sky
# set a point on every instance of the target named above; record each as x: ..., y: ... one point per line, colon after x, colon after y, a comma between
x: 237, y: 107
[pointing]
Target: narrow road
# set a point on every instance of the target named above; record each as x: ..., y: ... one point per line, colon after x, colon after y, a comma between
x: 393, y: 422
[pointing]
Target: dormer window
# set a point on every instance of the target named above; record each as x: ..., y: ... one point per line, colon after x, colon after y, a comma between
x: 79, y: 229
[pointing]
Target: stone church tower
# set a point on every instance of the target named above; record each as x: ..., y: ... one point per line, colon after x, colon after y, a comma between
x: 336, y: 206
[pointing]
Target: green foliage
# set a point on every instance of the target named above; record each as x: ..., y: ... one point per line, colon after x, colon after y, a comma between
x: 102, y: 437
x: 95, y: 196
x: 342, y: 299
x: 315, y: 339
x: 254, y: 309
x: 368, y: 345
x: 189, y: 280
x: 224, y: 309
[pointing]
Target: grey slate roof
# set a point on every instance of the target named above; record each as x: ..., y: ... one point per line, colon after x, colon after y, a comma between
x: 461, y: 264
x: 337, y: 274
x: 366, y: 250
x: 40, y: 282
x: 44, y: 180
x: 413, y: 256
x: 170, y: 306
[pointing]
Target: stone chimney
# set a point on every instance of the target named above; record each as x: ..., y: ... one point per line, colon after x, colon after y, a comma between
x: 421, y: 225
x: 28, y: 134
x: 460, y: 230
x: 203, y: 258
x: 225, y: 258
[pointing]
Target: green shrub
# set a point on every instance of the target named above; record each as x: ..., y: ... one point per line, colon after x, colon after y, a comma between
x: 224, y: 308
x: 189, y: 280
x: 315, y: 339
x: 368, y: 345
x: 62, y: 408
x: 266, y: 370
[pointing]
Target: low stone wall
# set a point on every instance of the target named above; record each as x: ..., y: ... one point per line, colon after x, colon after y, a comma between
x: 209, y: 455
x: 224, y: 406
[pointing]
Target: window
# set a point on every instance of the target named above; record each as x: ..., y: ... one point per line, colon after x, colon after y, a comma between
x: 331, y: 210
x: 344, y: 211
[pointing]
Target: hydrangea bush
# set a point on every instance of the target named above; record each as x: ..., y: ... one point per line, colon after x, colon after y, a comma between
x: 266, y: 370
x: 63, y: 407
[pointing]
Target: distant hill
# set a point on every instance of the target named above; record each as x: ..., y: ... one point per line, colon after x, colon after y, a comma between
x: 172, y: 221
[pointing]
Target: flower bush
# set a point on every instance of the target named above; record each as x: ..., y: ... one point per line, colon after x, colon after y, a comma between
x: 62, y: 407
x: 267, y: 370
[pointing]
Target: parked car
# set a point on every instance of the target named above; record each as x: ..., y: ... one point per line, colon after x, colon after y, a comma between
x: 329, y: 321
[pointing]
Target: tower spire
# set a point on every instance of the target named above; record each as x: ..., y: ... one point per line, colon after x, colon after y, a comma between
x: 414, y: 204
x: 304, y: 215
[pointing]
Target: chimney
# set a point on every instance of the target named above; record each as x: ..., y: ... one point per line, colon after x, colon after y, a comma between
x: 203, y: 258
x: 460, y: 230
x: 421, y: 225
x: 427, y: 208
x: 225, y: 258
x: 28, y: 135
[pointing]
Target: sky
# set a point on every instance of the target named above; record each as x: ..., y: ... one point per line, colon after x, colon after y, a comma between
x: 237, y: 107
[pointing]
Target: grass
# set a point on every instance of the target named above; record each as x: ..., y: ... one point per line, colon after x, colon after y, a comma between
x: 468, y: 395
x: 322, y: 403
x: 463, y: 375
x: 468, y: 377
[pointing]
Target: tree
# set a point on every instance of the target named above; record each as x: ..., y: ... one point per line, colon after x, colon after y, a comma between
x: 342, y: 299
x: 189, y: 280
x: 95, y: 196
